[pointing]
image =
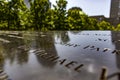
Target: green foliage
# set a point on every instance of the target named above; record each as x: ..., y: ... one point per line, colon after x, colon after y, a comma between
x: 105, y: 26
x: 15, y: 15
x: 60, y: 15
x: 118, y: 27
x: 1, y: 60
x: 12, y: 12
x: 91, y: 24
x: 75, y: 18
x: 78, y: 20
x: 3, y: 14
x: 38, y: 11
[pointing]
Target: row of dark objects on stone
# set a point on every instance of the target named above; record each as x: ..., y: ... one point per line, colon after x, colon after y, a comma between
x: 68, y: 44
x: 94, y: 48
x: 53, y: 58
x: 74, y: 45
x: 43, y: 54
x: 96, y: 34
x: 3, y: 75
x: 104, y: 50
x: 40, y: 52
x: 99, y: 39
x: 114, y: 41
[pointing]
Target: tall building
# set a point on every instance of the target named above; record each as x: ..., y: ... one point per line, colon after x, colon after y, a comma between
x: 115, y: 11
x: 114, y: 18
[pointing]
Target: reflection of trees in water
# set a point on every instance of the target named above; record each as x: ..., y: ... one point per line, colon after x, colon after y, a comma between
x: 62, y: 36
x: 1, y: 61
x: 35, y: 40
x: 115, y: 37
x: 45, y: 41
x: 22, y: 57
x: 10, y: 50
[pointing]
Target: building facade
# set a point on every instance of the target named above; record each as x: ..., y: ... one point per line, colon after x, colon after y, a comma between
x: 115, y: 12
x: 114, y: 9
x: 114, y: 18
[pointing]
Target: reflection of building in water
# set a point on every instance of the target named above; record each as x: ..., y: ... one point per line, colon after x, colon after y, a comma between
x: 45, y: 41
x: 116, y: 37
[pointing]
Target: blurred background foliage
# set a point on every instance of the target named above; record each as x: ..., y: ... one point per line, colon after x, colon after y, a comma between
x: 16, y: 15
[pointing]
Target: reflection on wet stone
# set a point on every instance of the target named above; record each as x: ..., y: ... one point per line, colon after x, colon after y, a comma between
x: 57, y: 54
x: 47, y: 51
x: 3, y: 75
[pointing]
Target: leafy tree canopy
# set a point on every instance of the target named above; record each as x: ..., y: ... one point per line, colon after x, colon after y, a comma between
x: 16, y: 15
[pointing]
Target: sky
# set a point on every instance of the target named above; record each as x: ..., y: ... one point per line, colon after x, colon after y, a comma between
x: 90, y: 7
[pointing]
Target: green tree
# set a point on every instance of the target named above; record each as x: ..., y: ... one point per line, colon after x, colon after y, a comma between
x: 76, y: 18
x: 11, y: 13
x: 3, y: 14
x: 15, y: 15
x: 91, y: 24
x: 105, y: 26
x: 60, y: 20
x: 118, y: 27
x: 17, y: 9
x: 50, y: 18
x: 38, y: 11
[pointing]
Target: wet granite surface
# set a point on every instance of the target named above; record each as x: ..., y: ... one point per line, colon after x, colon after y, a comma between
x: 60, y: 55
